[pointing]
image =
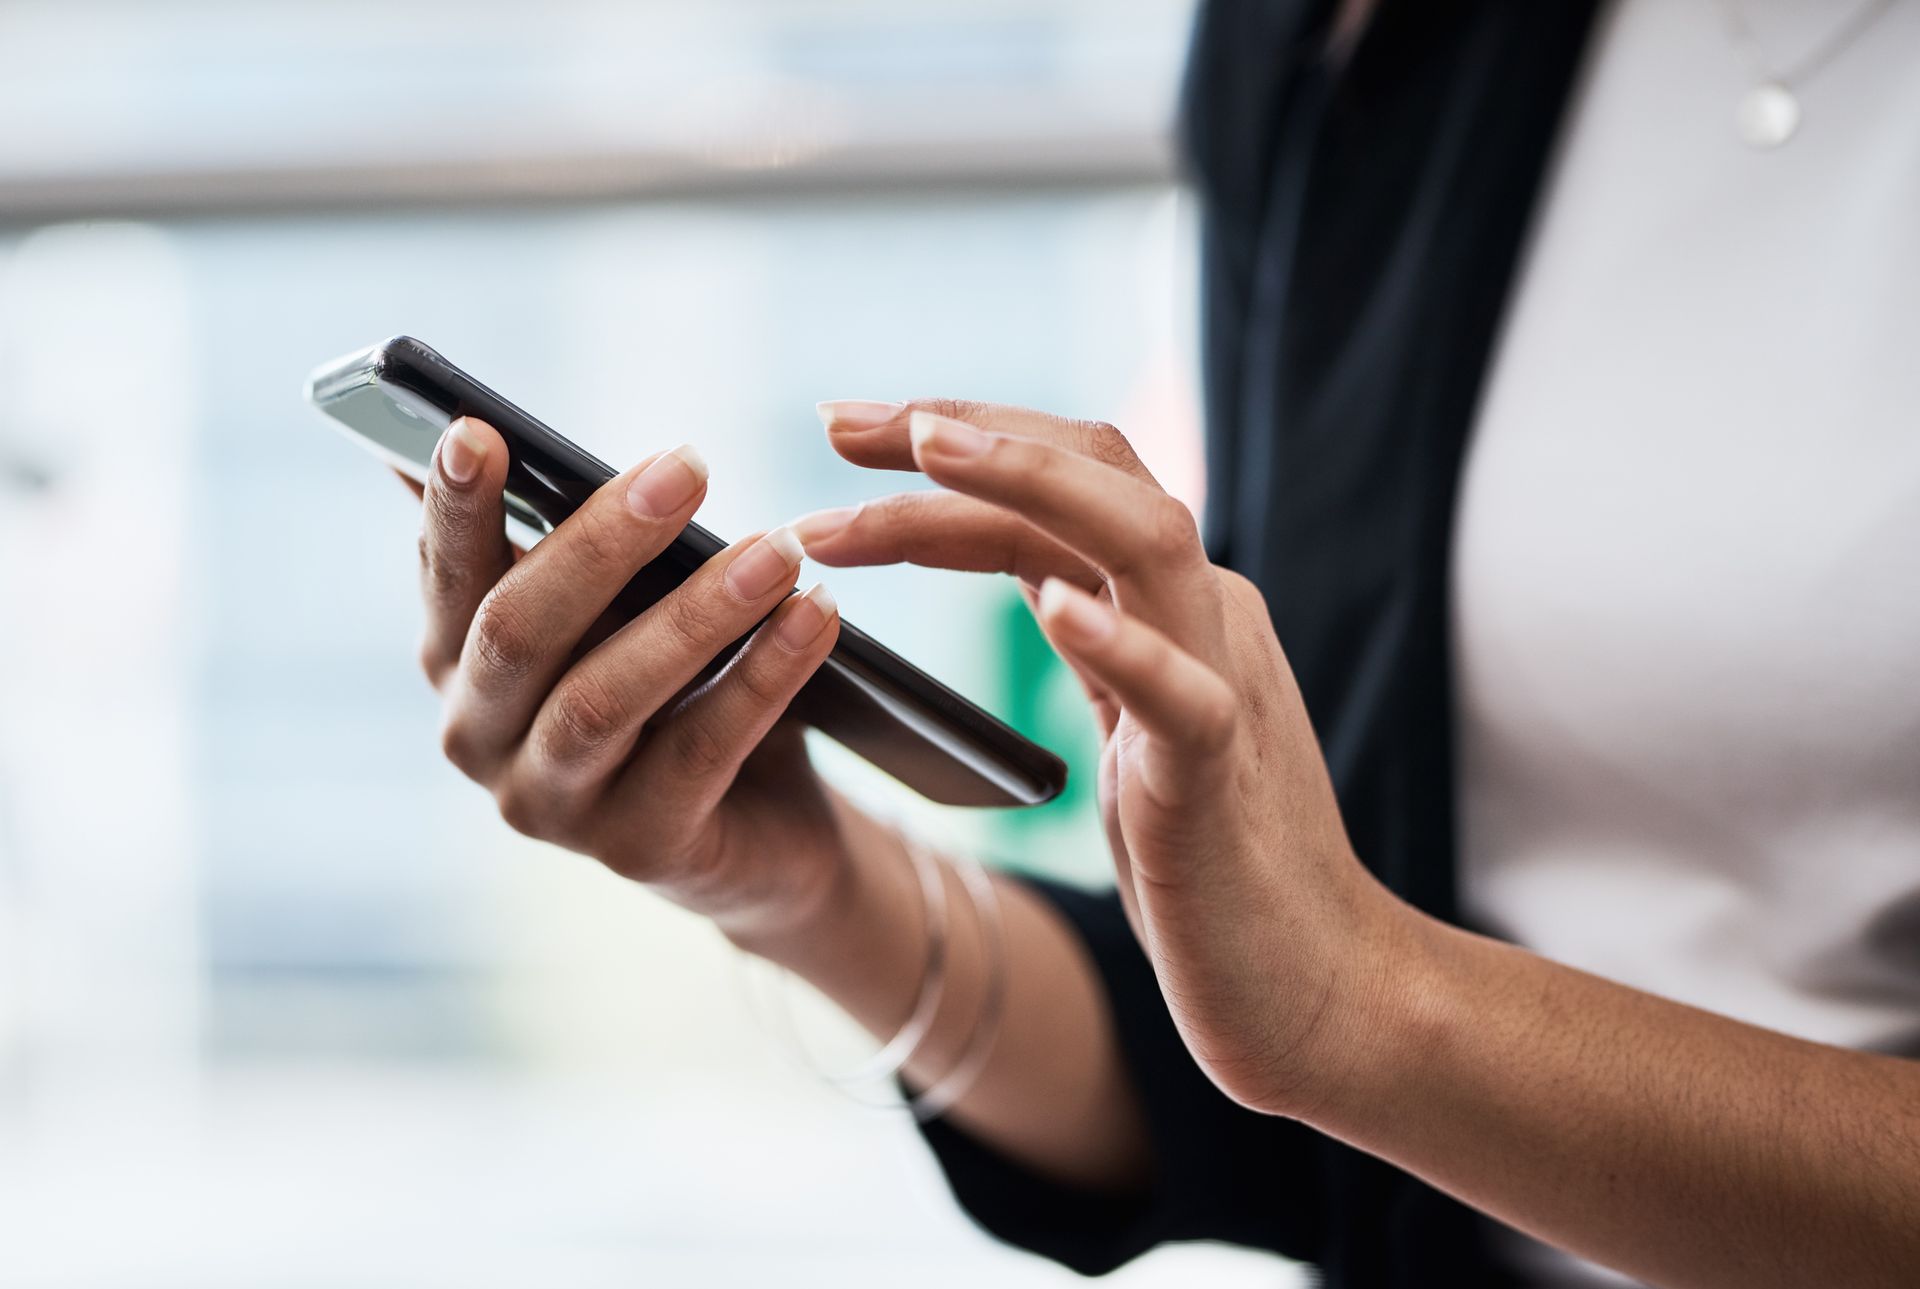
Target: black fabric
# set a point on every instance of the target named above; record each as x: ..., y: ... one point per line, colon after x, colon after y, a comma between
x: 1215, y: 1175
x: 1340, y: 396
x: 1362, y: 227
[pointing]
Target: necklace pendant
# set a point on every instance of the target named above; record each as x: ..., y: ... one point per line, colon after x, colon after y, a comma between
x: 1768, y: 116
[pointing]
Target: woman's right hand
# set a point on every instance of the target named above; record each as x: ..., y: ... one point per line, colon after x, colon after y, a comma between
x: 597, y: 738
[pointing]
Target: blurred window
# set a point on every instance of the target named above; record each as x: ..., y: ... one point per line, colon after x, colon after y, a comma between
x: 269, y: 969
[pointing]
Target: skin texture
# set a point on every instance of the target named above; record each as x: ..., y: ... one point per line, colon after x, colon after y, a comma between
x: 1678, y: 1146
x: 619, y: 750
x: 591, y: 738
x: 1681, y: 1147
x: 1187, y: 775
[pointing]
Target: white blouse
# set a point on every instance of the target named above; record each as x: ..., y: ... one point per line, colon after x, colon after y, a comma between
x: 1687, y: 569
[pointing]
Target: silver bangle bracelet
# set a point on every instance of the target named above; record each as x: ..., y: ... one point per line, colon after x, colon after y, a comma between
x: 893, y: 1058
x: 888, y: 1063
x: 943, y: 1095
x: 900, y: 1049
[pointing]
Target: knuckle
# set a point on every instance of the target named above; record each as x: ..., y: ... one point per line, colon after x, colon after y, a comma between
x: 691, y: 618
x: 1169, y: 526
x: 698, y: 750
x: 599, y: 541
x: 524, y: 810
x: 1104, y: 442
x: 585, y: 716
x: 1241, y: 590
x: 958, y: 409
x: 899, y: 510
x: 866, y: 516
x: 447, y: 513
x: 762, y: 684
x: 878, y: 519
x: 443, y: 576
x: 432, y: 659
x: 930, y: 512
x: 506, y: 647
x: 910, y: 518
x: 1216, y: 721
x: 457, y: 744
x: 449, y: 518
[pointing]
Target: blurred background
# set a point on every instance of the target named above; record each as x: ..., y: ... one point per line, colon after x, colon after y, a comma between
x: 282, y: 1003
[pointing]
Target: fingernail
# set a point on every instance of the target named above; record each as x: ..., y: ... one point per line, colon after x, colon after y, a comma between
x: 462, y: 452
x: 857, y: 413
x: 945, y: 436
x: 823, y: 525
x: 1073, y: 613
x: 807, y: 618
x: 668, y: 483
x: 766, y: 564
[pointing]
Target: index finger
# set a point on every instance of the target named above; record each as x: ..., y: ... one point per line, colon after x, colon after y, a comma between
x: 878, y: 435
x: 939, y: 529
x: 1143, y: 542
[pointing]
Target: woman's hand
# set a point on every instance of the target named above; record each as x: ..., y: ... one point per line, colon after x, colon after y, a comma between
x: 612, y: 739
x: 1269, y: 939
x: 618, y: 741
x: 1678, y: 1146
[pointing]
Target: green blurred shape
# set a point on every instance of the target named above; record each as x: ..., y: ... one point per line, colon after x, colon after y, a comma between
x: 1038, y: 695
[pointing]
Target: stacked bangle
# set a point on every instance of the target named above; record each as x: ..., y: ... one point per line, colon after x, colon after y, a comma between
x: 894, y: 1056
x: 945, y: 1094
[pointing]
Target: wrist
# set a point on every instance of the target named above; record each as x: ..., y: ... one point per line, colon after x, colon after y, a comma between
x: 861, y: 937
x: 1391, y: 1017
x: 860, y: 878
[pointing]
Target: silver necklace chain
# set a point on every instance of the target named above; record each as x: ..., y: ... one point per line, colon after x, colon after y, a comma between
x: 1741, y: 33
x: 1769, y: 112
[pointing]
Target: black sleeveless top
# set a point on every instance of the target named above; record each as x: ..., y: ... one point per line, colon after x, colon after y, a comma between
x: 1362, y: 224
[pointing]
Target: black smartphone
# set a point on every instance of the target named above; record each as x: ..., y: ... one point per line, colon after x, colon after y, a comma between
x: 398, y: 397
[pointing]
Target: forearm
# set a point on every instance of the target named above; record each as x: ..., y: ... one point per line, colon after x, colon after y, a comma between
x: 1055, y: 1095
x: 1676, y: 1145
x: 1682, y: 1147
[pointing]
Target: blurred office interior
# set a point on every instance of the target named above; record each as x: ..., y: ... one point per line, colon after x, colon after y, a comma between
x: 282, y: 1002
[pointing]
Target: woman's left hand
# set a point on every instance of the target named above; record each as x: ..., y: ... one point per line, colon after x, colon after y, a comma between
x: 1273, y: 946
x: 1669, y: 1143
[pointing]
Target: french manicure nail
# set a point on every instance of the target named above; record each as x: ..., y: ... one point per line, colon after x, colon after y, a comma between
x: 766, y: 564
x: 856, y: 413
x: 668, y: 483
x: 945, y: 436
x: 807, y: 618
x: 462, y: 452
x: 823, y: 525
x: 1075, y: 614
